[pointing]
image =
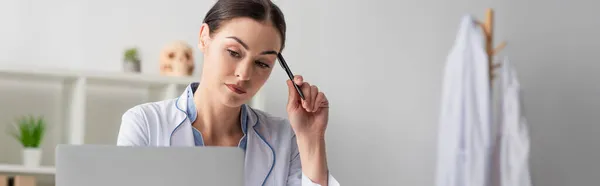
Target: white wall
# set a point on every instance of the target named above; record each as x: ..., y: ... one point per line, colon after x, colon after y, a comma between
x: 92, y: 35
x: 379, y: 62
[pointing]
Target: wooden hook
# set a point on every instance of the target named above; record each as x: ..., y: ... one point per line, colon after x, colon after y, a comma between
x: 499, y: 47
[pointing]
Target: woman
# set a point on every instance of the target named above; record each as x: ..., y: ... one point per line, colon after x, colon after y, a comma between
x: 240, y: 40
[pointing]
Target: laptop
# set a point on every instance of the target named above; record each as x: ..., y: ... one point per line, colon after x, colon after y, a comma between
x: 102, y: 165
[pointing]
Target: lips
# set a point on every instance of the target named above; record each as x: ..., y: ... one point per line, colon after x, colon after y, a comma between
x: 235, y: 88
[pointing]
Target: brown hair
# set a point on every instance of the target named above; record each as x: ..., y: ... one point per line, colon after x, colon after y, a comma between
x: 259, y: 10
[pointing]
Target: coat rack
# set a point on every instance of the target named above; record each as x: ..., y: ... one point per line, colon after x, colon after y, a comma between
x: 488, y: 29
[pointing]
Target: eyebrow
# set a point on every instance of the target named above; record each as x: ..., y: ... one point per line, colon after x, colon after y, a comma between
x: 247, y: 48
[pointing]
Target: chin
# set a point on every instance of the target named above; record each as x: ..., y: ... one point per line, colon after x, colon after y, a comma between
x: 233, y: 100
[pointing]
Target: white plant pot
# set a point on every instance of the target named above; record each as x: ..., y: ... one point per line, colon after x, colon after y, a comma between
x: 32, y: 157
x: 131, y: 67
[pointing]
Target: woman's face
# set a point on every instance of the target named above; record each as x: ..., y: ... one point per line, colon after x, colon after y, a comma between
x: 238, y: 59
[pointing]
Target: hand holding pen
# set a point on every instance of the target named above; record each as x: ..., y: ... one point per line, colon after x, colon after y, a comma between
x: 308, y: 108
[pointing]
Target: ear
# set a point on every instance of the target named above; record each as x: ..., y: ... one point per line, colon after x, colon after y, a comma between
x: 204, y: 37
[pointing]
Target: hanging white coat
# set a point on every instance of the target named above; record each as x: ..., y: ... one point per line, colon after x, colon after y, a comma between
x: 272, y: 156
x: 464, y: 137
x: 514, y: 132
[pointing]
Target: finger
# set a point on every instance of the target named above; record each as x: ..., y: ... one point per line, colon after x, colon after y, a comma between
x: 314, y: 91
x: 293, y: 94
x: 305, y: 87
x: 321, y: 102
x: 298, y: 79
x: 324, y: 102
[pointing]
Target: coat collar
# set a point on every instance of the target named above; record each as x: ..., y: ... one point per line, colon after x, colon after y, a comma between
x: 260, y: 155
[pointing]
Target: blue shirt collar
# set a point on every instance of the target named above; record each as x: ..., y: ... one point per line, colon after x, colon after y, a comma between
x: 192, y: 114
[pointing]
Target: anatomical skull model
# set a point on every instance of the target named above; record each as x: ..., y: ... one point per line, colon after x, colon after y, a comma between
x: 177, y: 59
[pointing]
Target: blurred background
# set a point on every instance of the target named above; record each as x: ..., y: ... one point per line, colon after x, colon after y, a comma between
x: 379, y: 62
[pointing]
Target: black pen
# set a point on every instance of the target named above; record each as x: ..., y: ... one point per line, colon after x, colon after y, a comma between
x: 289, y: 73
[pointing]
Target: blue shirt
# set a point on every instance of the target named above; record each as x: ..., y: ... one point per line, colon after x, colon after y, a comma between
x: 193, y: 114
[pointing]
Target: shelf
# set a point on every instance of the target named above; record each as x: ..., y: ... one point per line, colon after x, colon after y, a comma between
x: 75, y: 90
x: 101, y: 78
x: 20, y: 169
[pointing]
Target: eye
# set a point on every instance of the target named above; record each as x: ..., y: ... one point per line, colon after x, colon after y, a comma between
x: 261, y: 64
x: 171, y: 55
x: 187, y: 56
x: 233, y: 53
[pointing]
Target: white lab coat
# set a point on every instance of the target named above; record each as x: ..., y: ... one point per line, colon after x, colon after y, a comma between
x: 513, y: 132
x: 463, y: 152
x: 272, y: 156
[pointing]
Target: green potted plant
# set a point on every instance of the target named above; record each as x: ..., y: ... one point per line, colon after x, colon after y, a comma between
x: 29, y: 131
x: 131, y: 60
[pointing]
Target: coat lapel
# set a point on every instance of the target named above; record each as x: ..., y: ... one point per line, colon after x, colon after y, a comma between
x: 180, y: 130
x: 260, y: 155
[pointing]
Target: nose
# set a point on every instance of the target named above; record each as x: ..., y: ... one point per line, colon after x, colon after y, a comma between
x: 181, y: 58
x: 243, y: 70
